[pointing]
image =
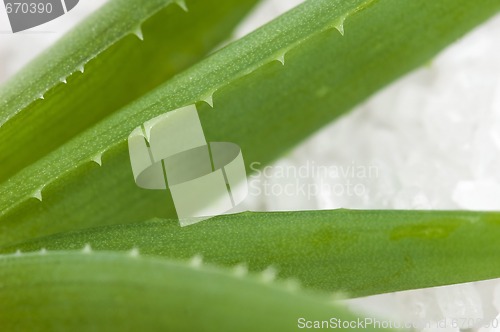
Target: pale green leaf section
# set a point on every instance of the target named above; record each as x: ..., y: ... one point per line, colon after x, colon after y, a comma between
x: 128, y: 292
x: 352, y: 252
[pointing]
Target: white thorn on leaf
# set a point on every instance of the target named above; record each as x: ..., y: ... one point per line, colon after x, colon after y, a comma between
x: 134, y: 252
x: 63, y: 80
x: 269, y: 274
x: 41, y: 97
x: 339, y: 25
x: 97, y: 159
x: 209, y: 100
x: 281, y: 59
x: 81, y: 69
x: 182, y: 4
x: 138, y: 33
x: 240, y: 270
x: 87, y: 249
x: 196, y: 261
x: 340, y: 28
x: 37, y: 194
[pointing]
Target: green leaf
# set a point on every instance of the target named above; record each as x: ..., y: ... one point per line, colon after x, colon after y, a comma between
x: 118, y: 292
x: 353, y: 252
x: 261, y: 105
x: 118, y: 68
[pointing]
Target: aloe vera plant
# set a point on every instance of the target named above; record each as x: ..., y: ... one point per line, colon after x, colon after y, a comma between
x: 265, y: 92
x: 115, y: 70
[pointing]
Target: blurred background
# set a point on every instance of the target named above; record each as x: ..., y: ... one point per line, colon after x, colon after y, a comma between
x: 429, y: 141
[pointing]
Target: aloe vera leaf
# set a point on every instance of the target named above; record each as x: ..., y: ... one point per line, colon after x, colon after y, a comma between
x: 118, y: 68
x: 264, y: 107
x: 81, y: 291
x: 353, y: 252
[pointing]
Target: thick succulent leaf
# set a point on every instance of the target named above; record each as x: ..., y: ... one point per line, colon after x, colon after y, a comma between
x: 120, y: 292
x: 353, y: 252
x: 262, y: 106
x: 105, y: 65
